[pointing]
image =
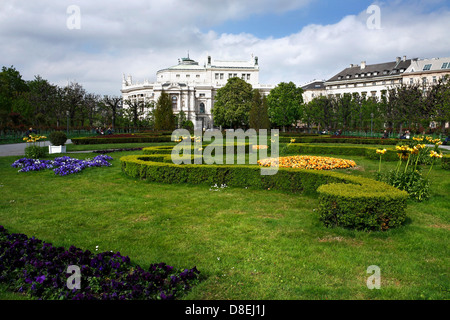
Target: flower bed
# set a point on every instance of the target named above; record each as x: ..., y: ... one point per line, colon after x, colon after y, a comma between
x: 37, y: 268
x: 62, y: 165
x: 308, y: 162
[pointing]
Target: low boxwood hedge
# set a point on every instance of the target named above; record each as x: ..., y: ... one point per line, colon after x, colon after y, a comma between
x: 445, y: 161
x: 324, y: 139
x: 378, y: 206
x: 364, y: 151
x: 106, y: 140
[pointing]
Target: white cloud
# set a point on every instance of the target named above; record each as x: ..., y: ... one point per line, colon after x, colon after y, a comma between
x: 141, y: 37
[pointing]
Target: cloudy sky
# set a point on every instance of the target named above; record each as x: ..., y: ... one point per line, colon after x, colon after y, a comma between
x: 96, y: 42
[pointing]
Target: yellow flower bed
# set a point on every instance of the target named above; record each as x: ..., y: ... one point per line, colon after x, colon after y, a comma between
x: 308, y: 162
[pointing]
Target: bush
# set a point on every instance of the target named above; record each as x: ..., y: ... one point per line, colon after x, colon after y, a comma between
x: 446, y: 162
x: 57, y: 138
x: 325, y: 139
x: 112, y: 140
x: 35, y: 152
x: 347, y: 201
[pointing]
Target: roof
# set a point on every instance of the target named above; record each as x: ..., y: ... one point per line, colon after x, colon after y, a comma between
x: 314, y: 85
x: 372, y: 70
x: 436, y: 64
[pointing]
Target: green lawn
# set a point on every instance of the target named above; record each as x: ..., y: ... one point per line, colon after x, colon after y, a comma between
x: 248, y: 244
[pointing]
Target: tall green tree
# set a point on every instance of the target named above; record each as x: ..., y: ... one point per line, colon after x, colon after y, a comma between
x: 233, y: 103
x: 258, y: 115
x: 12, y: 88
x: 285, y: 103
x: 163, y: 114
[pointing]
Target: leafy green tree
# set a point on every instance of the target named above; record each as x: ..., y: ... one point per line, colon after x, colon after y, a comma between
x: 12, y: 87
x: 163, y: 114
x: 258, y: 115
x: 233, y: 103
x: 285, y: 103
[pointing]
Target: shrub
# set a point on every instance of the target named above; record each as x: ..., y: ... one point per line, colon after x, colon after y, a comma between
x: 35, y: 152
x: 446, y: 162
x: 133, y: 139
x: 57, y: 138
x: 345, y: 200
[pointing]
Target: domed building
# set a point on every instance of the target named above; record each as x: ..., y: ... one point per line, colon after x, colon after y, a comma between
x: 192, y: 87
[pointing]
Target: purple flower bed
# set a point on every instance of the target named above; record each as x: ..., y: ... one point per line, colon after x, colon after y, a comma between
x: 63, y: 165
x: 37, y: 268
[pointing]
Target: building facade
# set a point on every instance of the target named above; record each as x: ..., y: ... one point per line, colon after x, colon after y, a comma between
x: 368, y: 80
x: 427, y: 72
x: 192, y: 87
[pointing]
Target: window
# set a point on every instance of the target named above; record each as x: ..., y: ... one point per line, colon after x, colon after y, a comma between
x: 188, y: 76
x: 424, y: 80
x: 243, y: 76
x: 356, y: 76
x: 445, y: 65
x: 434, y: 79
x: 217, y: 76
x: 201, y: 108
x: 221, y: 76
x: 202, y: 94
x: 230, y: 75
x: 197, y: 76
x: 178, y: 75
x: 248, y: 76
x: 375, y: 73
x: 174, y: 102
x: 411, y: 80
x: 427, y: 67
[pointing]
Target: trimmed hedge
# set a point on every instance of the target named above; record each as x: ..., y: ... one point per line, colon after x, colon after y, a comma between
x: 137, y: 139
x: 446, y: 162
x: 323, y: 139
x: 364, y: 151
x: 346, y: 201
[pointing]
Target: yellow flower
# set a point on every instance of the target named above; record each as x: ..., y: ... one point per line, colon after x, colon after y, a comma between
x: 379, y: 151
x: 434, y: 154
x: 292, y: 140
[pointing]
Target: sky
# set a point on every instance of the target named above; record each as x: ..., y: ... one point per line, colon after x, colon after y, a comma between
x: 95, y: 43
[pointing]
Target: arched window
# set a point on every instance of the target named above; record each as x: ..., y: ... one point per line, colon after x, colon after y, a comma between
x: 174, y: 102
x: 202, y: 108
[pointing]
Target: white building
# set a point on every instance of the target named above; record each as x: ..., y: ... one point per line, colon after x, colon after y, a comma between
x: 368, y: 80
x: 192, y: 87
x: 427, y: 72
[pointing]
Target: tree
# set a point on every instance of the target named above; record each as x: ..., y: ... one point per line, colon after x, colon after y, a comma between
x: 233, y: 103
x: 12, y: 87
x: 112, y: 105
x: 163, y: 114
x: 285, y: 104
x: 258, y: 115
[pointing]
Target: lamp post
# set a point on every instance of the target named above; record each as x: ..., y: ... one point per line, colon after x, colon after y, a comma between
x: 371, y: 123
x: 67, y: 113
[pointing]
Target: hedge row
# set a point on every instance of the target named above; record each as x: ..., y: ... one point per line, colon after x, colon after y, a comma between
x: 347, y: 201
x: 446, y: 162
x: 136, y: 139
x: 364, y: 151
x: 324, y: 139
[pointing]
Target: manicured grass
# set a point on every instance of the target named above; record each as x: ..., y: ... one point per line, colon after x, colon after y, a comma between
x: 248, y: 244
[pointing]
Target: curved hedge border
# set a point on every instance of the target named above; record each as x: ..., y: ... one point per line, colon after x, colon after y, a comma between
x: 106, y: 140
x: 323, y: 139
x: 347, y: 201
x: 364, y: 151
x: 446, y: 162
